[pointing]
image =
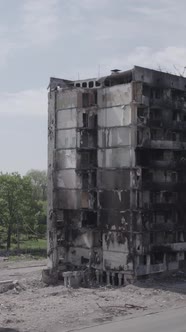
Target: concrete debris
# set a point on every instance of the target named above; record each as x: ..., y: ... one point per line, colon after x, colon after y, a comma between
x: 5, y: 282
x: 53, y: 308
x: 14, y: 285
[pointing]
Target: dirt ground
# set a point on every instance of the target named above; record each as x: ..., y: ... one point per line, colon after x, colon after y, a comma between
x: 31, y: 306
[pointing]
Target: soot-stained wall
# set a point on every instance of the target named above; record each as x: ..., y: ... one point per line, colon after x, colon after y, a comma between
x: 116, y: 172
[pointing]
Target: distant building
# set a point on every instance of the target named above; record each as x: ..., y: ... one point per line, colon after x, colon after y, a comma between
x: 117, y: 173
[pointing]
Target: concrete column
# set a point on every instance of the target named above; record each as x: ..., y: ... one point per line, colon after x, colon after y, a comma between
x: 165, y: 261
x: 52, y: 252
x: 84, y: 277
x: 113, y: 278
x: 97, y: 277
x: 65, y: 276
x: 120, y: 277
x: 148, y: 264
x: 108, y: 277
x: 77, y: 278
x: 137, y: 260
x: 70, y: 275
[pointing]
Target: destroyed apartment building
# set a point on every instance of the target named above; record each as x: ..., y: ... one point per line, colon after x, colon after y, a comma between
x: 117, y: 174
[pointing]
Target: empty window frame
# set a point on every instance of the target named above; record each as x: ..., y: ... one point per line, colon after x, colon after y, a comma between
x: 156, y: 114
x: 143, y: 260
x: 156, y: 93
x: 157, y: 258
x: 91, y: 84
x: 85, y: 180
x: 85, y: 120
x: 176, y: 116
x: 85, y: 99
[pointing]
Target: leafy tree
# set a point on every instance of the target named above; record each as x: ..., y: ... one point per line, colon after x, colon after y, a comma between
x: 35, y: 219
x: 40, y: 224
x: 39, y: 181
x: 39, y: 202
x: 16, y: 196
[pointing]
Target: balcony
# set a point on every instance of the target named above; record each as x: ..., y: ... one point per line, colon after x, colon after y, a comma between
x: 163, y: 144
x: 166, y: 186
x: 178, y: 104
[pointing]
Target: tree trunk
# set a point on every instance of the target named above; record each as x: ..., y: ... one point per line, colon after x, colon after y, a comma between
x: 9, y: 233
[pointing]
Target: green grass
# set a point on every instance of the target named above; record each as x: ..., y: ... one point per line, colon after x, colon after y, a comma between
x: 27, y: 244
x: 34, y: 244
x: 30, y: 249
x: 18, y: 258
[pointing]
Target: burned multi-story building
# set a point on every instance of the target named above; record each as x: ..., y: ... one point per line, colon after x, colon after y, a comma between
x: 116, y: 168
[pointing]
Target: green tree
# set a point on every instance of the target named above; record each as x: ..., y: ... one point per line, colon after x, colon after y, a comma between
x: 35, y: 219
x: 16, y: 195
x: 39, y: 181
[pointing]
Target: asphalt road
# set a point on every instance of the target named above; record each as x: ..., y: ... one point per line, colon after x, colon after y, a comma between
x: 173, y: 320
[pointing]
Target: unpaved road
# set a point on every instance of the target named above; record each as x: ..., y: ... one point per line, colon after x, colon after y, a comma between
x: 17, y: 270
x: 31, y: 306
x: 166, y: 321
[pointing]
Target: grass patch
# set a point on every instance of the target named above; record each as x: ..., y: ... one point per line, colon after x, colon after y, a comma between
x: 34, y: 244
x: 28, y: 257
x: 31, y: 244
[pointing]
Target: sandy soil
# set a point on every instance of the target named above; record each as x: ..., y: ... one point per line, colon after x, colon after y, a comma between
x: 31, y: 306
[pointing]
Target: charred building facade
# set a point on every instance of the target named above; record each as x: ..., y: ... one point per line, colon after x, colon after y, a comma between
x: 116, y: 173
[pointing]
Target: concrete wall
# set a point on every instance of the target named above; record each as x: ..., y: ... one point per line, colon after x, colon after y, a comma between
x: 115, y: 158
x: 116, y: 155
x: 115, y: 116
x: 114, y: 137
x: 118, y: 95
x: 66, y: 139
x: 67, y: 118
x: 68, y: 178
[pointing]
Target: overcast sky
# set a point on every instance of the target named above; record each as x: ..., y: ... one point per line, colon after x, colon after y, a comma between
x: 67, y: 38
